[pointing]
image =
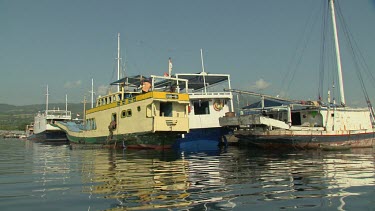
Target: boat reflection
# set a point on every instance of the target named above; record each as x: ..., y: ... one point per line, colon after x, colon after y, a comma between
x: 141, y: 179
x: 151, y: 179
x: 51, y: 168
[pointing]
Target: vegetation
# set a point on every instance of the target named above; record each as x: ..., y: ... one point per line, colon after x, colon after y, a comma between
x: 17, y: 117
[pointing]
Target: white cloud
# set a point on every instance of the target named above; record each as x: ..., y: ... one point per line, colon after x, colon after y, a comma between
x: 260, y: 84
x: 72, y: 84
x: 102, y: 90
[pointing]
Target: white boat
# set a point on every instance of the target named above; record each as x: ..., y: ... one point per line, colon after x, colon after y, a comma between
x: 207, y: 103
x: 278, y: 123
x: 43, y: 129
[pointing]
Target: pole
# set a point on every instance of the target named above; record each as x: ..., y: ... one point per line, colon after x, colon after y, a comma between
x: 47, y: 99
x: 92, y: 93
x: 118, y: 60
x: 204, y: 73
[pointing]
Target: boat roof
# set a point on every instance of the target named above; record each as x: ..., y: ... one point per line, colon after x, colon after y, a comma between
x: 269, y: 103
x: 131, y: 80
x: 195, y: 80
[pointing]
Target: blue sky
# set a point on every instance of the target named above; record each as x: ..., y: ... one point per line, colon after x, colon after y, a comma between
x: 66, y: 43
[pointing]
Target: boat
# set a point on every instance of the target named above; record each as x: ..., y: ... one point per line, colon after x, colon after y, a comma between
x: 137, y: 115
x: 207, y: 103
x: 43, y: 129
x: 275, y: 123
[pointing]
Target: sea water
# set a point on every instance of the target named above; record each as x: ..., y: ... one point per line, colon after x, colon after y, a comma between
x: 35, y: 176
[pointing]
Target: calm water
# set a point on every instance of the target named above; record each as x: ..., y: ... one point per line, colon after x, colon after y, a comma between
x: 44, y: 177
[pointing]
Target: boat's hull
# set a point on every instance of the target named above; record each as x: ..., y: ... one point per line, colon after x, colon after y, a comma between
x: 55, y: 136
x: 202, y: 139
x: 307, y: 141
x: 150, y: 140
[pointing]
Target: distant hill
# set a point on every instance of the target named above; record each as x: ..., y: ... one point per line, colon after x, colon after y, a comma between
x: 17, y: 117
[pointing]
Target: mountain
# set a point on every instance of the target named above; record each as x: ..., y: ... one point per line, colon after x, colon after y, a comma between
x: 17, y: 117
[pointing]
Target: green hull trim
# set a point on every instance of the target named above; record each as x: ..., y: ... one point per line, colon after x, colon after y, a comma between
x: 140, y: 141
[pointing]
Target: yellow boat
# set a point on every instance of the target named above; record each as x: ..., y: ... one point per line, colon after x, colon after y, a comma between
x: 136, y: 116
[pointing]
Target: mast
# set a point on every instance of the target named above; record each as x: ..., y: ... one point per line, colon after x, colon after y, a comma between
x: 92, y: 93
x: 47, y: 99
x: 204, y: 73
x: 118, y: 60
x: 337, y: 48
x: 66, y: 102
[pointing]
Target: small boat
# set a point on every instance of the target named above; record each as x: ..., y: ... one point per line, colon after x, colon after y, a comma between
x: 29, y: 129
x: 44, y: 130
x: 335, y: 147
x: 275, y: 123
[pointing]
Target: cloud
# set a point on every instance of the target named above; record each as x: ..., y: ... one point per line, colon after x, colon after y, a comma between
x: 102, y: 90
x: 260, y: 84
x: 72, y: 84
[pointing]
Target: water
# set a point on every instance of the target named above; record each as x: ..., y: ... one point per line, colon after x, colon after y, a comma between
x: 44, y: 177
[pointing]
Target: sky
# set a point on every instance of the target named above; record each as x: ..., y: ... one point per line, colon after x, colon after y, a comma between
x: 269, y: 46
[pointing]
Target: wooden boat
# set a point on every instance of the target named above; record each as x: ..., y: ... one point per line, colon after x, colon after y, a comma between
x: 137, y: 116
x: 279, y: 123
x: 335, y: 147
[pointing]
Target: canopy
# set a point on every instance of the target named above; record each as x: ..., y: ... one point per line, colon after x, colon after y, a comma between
x: 269, y: 103
x: 132, y: 80
x: 195, y: 81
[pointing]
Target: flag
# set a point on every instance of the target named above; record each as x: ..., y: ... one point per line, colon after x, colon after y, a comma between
x: 170, y: 67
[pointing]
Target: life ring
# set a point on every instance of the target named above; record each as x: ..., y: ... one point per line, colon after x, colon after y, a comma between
x: 218, y: 105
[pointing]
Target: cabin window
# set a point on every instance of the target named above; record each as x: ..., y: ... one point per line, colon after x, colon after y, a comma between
x: 332, y: 115
x: 166, y: 109
x: 123, y: 114
x: 129, y: 113
x: 90, y: 124
x: 201, y: 107
x: 139, y: 108
x: 296, y: 118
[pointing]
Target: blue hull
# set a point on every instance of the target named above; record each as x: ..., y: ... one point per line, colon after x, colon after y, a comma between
x: 204, y: 139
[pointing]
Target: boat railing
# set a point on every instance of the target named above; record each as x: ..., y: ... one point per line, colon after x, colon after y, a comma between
x: 58, y: 114
x: 212, y: 93
x: 184, y: 82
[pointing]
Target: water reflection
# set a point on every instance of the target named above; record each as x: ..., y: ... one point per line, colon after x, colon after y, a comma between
x: 44, y: 176
x: 151, y: 179
x: 139, y: 179
x: 50, y: 167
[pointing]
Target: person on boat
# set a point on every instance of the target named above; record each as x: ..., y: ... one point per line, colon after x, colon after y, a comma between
x: 146, y: 86
x: 111, y: 128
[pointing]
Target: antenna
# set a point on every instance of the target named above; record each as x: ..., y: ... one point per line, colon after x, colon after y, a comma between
x: 204, y: 73
x: 47, y: 99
